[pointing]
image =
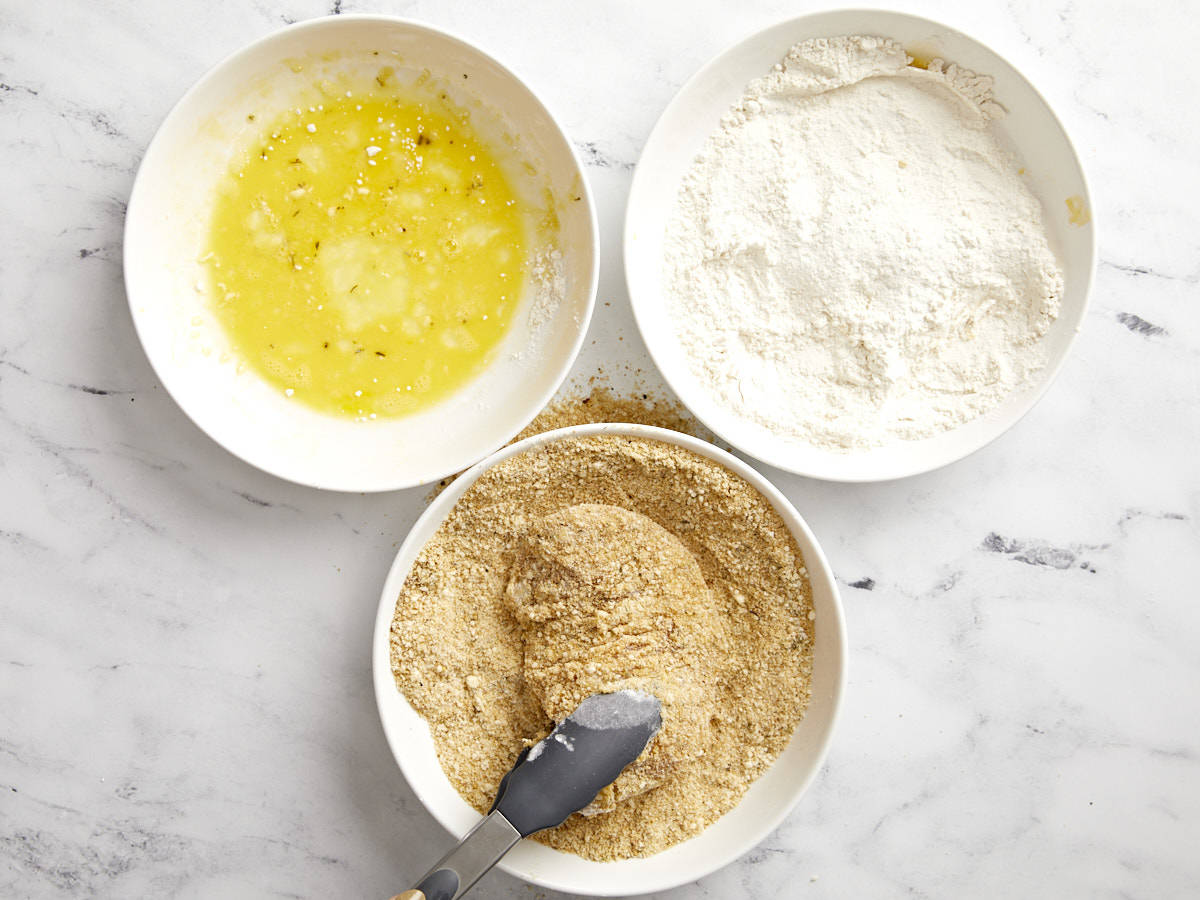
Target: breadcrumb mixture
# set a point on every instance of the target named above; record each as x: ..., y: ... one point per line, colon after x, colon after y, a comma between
x: 594, y: 564
x: 602, y: 404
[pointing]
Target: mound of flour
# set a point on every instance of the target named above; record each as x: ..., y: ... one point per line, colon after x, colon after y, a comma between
x: 854, y: 259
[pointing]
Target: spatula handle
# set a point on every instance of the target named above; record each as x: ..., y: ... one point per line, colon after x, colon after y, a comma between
x: 465, y: 864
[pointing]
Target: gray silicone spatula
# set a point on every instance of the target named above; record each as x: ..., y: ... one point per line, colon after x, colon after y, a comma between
x: 558, y: 776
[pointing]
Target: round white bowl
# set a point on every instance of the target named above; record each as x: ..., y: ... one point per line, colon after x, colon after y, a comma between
x: 167, y: 225
x: 762, y: 808
x: 1030, y: 127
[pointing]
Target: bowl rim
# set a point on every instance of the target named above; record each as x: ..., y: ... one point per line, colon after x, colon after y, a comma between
x: 818, y: 569
x: 159, y: 361
x: 780, y: 460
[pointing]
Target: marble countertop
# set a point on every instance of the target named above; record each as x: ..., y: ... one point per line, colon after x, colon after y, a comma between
x: 185, y: 701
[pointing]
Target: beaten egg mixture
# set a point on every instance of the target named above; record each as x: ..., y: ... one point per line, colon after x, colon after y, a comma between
x: 367, y: 256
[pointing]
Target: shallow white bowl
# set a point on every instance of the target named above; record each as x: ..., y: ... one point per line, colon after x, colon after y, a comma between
x: 1030, y: 127
x: 764, y: 806
x: 167, y: 225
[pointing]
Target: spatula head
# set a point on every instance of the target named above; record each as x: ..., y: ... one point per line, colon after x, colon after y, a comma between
x: 563, y: 773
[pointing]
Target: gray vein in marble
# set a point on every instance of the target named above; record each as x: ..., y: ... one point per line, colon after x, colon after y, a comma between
x: 1022, y: 29
x: 20, y: 537
x: 1133, y: 515
x: 16, y: 88
x: 1094, y: 110
x: 309, y: 854
x: 593, y: 155
x: 1041, y: 553
x: 760, y: 853
x: 1138, y: 325
x: 342, y: 519
x: 948, y: 583
x: 1046, y: 555
x: 1184, y: 754
x: 250, y: 498
x: 1139, y: 271
x: 266, y: 504
x: 138, y: 456
x: 919, y: 799
x: 56, y: 807
x: 97, y: 120
x: 110, y: 852
x: 255, y: 500
x: 81, y: 473
x: 66, y: 385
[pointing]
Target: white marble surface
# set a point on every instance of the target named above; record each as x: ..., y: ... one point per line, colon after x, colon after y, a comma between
x: 185, y: 704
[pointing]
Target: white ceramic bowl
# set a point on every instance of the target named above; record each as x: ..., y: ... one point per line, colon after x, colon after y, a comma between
x: 167, y: 226
x: 1032, y: 130
x: 764, y: 806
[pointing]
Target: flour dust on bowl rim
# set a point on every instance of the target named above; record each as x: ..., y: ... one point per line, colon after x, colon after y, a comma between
x: 167, y: 228
x: 764, y: 805
x: 1029, y: 128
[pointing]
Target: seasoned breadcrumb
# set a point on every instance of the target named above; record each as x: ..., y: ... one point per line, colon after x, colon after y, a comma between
x: 710, y: 596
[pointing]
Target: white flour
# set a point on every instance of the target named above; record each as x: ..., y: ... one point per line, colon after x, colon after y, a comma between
x: 854, y: 259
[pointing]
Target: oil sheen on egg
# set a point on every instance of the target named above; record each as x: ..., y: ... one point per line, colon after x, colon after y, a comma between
x: 367, y: 255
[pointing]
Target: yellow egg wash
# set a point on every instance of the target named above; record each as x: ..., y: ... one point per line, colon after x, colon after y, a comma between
x: 368, y: 254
